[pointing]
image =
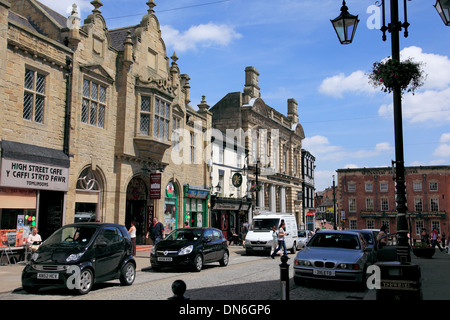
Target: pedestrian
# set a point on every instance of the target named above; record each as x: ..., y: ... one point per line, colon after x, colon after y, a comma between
x: 156, y: 231
x: 443, y: 239
x: 132, y: 232
x: 434, y: 239
x: 281, y: 242
x: 34, y: 240
x: 186, y: 224
x: 178, y: 289
x: 382, y: 237
x: 424, y: 237
x: 274, y: 239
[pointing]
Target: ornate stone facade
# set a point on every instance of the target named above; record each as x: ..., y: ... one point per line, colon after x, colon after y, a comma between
x: 108, y: 103
x: 274, y: 142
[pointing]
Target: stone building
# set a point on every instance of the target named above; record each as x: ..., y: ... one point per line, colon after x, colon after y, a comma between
x: 274, y: 142
x: 366, y: 198
x: 90, y: 119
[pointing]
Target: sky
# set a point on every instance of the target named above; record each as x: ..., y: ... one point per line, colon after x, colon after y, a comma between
x: 347, y: 122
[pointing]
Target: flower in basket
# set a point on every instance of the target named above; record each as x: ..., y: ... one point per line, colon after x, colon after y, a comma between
x: 255, y: 188
x: 389, y: 74
x: 421, y: 245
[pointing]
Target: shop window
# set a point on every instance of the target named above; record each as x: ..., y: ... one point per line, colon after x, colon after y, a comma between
x: 87, y: 201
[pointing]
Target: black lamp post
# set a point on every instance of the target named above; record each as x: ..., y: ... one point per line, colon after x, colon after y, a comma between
x: 345, y: 25
x: 443, y: 8
x: 403, y: 252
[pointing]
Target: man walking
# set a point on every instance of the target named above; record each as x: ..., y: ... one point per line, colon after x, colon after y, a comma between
x: 156, y: 231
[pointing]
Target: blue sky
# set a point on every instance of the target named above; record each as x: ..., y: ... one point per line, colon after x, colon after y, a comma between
x: 347, y: 123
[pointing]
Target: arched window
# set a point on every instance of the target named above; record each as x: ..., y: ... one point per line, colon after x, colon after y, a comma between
x: 87, y: 198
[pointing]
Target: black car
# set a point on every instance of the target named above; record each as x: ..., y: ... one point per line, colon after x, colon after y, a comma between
x: 190, y: 247
x: 78, y: 255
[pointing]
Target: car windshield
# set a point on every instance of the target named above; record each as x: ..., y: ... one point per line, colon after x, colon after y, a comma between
x: 74, y: 235
x: 367, y: 237
x: 302, y: 234
x: 335, y: 240
x: 264, y: 224
x: 185, y: 234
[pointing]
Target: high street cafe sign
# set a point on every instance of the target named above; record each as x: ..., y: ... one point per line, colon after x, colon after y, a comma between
x: 21, y: 174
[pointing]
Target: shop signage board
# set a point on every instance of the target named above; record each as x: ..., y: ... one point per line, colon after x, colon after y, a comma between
x: 155, y: 186
x: 27, y: 175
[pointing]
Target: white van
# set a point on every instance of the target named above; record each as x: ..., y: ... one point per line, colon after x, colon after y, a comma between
x: 259, y: 237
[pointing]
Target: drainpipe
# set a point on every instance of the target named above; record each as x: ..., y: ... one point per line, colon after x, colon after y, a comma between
x: 68, y: 105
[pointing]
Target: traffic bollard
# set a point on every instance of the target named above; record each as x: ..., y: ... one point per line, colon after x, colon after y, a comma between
x: 284, y: 278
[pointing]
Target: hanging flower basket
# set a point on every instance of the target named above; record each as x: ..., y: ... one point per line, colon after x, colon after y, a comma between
x: 255, y: 188
x: 389, y: 74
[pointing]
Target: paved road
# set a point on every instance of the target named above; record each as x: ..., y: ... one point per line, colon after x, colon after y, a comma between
x: 245, y: 278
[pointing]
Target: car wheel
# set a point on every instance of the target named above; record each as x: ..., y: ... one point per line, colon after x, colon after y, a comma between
x: 224, y: 261
x: 86, y: 281
x: 128, y: 274
x: 198, y: 263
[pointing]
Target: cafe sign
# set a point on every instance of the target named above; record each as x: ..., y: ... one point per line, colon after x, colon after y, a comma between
x: 21, y: 174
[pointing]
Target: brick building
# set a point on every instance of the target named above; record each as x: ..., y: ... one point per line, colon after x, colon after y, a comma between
x: 367, y: 198
x: 89, y: 118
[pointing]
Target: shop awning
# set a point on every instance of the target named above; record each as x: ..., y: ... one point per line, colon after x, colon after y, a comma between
x: 27, y: 152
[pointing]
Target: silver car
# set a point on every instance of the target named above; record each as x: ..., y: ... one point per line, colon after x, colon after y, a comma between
x: 334, y: 256
x: 303, y: 237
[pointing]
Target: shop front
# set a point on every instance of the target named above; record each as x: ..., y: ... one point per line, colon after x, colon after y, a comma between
x: 170, y: 208
x: 136, y: 208
x: 230, y: 215
x: 33, y: 185
x: 196, y: 206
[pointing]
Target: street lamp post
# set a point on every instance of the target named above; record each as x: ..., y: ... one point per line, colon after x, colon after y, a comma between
x: 443, y: 8
x: 403, y: 253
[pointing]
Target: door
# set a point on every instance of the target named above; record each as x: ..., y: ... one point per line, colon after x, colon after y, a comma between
x: 50, y: 212
x: 224, y: 221
x: 208, y: 245
x: 136, y: 210
x: 109, y: 248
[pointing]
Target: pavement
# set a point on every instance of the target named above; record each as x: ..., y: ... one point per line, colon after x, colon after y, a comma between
x: 435, y: 272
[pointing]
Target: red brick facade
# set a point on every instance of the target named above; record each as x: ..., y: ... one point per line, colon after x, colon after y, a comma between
x: 366, y: 198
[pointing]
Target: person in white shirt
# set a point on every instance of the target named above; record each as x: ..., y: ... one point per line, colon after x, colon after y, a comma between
x: 132, y: 232
x: 33, y: 237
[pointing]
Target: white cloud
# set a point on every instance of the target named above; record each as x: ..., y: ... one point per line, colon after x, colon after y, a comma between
x: 337, y: 85
x: 204, y: 35
x: 443, y: 150
x: 445, y: 138
x: 321, y: 148
x: 64, y: 7
x: 435, y: 67
x: 431, y: 106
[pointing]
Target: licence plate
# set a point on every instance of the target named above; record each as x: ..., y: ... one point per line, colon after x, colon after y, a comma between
x: 329, y: 273
x: 258, y: 248
x: 167, y: 259
x: 51, y: 276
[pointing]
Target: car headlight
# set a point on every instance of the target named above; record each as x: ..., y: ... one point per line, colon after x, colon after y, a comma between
x: 348, y: 266
x: 74, y: 257
x: 303, y: 263
x: 153, y: 250
x: 34, y: 256
x: 186, y: 250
